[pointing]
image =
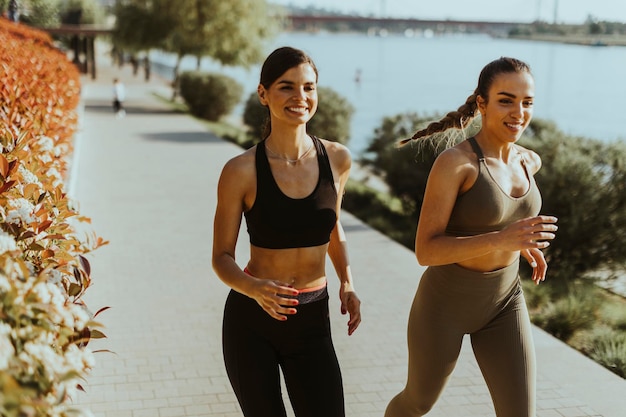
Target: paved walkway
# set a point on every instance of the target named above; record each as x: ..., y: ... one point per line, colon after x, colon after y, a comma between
x: 148, y: 181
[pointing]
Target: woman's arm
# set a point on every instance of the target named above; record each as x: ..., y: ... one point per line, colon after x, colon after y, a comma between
x: 452, y: 173
x: 233, y: 185
x: 338, y: 248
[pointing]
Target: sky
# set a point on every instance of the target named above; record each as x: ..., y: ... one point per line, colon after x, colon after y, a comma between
x: 567, y: 11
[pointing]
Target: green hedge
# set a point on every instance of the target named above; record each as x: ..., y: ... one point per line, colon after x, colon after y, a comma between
x: 209, y: 96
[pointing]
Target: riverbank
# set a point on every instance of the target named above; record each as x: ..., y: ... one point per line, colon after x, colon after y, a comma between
x: 575, y: 39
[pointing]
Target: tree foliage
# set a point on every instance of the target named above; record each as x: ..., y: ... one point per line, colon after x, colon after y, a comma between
x: 233, y: 32
x: 42, y: 13
x: 81, y: 12
x: 139, y: 27
x: 406, y: 169
x: 332, y: 119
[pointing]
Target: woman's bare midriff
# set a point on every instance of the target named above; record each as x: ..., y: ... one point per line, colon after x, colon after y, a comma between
x: 300, y: 267
x: 491, y: 262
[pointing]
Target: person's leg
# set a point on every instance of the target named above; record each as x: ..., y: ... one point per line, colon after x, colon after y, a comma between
x: 434, y: 342
x: 251, y: 362
x: 506, y: 356
x: 310, y: 365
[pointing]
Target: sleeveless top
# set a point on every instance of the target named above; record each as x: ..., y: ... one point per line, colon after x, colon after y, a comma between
x: 277, y: 221
x: 485, y: 207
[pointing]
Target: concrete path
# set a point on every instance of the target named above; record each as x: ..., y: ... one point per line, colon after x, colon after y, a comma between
x: 148, y: 181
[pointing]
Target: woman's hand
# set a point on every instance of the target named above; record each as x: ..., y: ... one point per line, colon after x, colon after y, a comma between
x: 272, y: 297
x: 538, y: 262
x: 350, y: 303
x: 530, y: 233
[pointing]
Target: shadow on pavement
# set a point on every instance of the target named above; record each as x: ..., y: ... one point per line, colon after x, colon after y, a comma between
x: 130, y: 110
x: 183, y: 137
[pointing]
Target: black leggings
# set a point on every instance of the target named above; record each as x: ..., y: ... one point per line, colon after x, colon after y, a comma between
x: 452, y: 301
x: 255, y: 345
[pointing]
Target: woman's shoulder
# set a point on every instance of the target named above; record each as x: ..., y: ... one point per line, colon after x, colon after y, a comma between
x: 242, y: 165
x: 338, y: 153
x: 530, y: 158
x: 459, y: 155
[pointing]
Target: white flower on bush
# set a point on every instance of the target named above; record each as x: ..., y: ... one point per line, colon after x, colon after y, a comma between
x: 6, y: 345
x: 5, y: 285
x: 20, y: 210
x: 28, y: 176
x: 46, y: 144
x: 55, y: 277
x: 48, y: 294
x: 7, y: 242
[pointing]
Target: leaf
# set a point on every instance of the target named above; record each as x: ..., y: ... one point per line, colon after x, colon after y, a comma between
x: 41, y: 197
x: 97, y: 334
x: 48, y: 253
x: 101, y: 310
x: 27, y: 235
x: 29, y: 190
x: 7, y: 185
x: 104, y: 351
x: 43, y: 226
x: 35, y: 246
x: 74, y: 290
x: 85, y: 264
x: 4, y: 166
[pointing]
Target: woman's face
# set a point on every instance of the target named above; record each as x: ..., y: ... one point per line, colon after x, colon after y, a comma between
x: 292, y: 98
x: 509, y: 107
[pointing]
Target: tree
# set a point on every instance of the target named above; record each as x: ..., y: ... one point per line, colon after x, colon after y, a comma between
x: 231, y: 32
x: 140, y: 25
x: 81, y: 12
x: 42, y: 13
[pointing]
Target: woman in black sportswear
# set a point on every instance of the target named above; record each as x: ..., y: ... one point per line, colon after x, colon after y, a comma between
x: 289, y: 189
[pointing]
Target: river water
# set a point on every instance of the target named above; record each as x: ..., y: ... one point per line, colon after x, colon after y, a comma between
x: 578, y: 87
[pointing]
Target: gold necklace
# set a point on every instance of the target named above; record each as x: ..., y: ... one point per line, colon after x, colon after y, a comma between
x: 290, y: 161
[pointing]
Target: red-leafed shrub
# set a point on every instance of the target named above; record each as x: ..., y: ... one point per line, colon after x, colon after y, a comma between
x: 44, y: 324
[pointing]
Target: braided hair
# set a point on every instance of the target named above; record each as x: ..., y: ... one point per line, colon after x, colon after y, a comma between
x: 465, y: 114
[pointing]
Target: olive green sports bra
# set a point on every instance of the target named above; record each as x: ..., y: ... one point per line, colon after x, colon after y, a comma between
x: 485, y: 207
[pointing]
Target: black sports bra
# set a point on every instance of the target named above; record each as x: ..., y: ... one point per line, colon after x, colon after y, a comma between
x: 277, y: 221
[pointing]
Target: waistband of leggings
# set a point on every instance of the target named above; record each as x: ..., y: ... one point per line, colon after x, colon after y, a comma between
x: 306, y: 295
x: 462, y: 277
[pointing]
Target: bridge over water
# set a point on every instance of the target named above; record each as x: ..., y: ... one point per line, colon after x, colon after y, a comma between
x: 390, y: 24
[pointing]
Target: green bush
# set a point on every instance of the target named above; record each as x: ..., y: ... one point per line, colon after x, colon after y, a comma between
x: 254, y: 116
x: 374, y: 208
x: 331, y: 121
x: 583, y: 183
x: 572, y: 312
x: 609, y: 350
x: 209, y: 96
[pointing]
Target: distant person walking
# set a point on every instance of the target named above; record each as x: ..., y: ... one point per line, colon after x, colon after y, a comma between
x: 13, y: 11
x: 146, y: 68
x: 480, y: 212
x: 119, y: 95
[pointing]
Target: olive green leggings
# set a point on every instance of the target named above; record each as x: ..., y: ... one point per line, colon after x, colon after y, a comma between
x: 450, y: 302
